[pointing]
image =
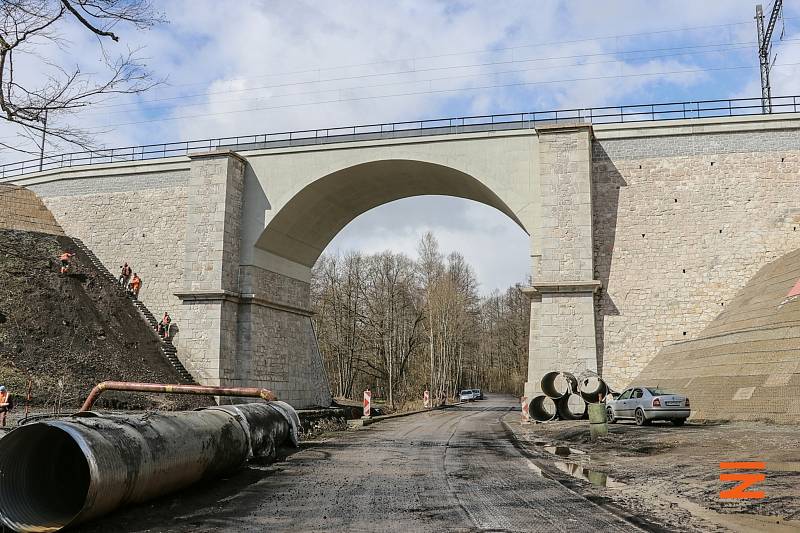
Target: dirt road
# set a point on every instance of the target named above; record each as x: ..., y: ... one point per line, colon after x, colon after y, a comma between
x: 450, y: 470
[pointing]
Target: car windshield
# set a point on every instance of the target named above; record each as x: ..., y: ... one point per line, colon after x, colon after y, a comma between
x: 658, y: 392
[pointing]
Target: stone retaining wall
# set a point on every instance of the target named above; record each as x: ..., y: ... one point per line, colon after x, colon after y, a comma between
x: 745, y: 365
x: 21, y: 209
x: 138, y: 218
x: 681, y: 223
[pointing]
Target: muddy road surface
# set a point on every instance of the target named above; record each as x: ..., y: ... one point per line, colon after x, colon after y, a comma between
x: 449, y: 470
x: 671, y: 474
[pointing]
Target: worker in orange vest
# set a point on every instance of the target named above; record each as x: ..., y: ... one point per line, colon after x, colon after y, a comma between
x: 5, y: 403
x: 163, y: 326
x: 135, y: 285
x: 65, y: 257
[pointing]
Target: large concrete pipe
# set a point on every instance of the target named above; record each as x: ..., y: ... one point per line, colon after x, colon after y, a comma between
x: 558, y: 384
x: 62, y: 472
x: 592, y: 387
x: 571, y: 407
x: 542, y: 408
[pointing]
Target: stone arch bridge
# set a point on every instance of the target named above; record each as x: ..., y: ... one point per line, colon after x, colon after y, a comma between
x: 639, y: 233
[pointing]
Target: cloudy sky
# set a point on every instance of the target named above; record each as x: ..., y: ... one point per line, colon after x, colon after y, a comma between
x: 255, y: 66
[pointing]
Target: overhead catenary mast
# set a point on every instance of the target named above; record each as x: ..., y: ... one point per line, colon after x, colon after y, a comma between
x: 764, y: 48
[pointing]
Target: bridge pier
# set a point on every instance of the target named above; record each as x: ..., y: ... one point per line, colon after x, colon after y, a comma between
x: 243, y: 325
x: 562, y: 325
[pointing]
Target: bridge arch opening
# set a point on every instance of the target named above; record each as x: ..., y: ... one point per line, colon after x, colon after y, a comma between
x: 303, y: 227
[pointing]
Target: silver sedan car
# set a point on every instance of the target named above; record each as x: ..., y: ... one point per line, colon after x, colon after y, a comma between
x: 466, y: 395
x: 645, y: 404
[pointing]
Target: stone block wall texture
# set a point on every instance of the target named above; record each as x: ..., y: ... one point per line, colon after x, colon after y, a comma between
x: 277, y: 338
x: 213, y: 221
x: 745, y: 365
x: 21, y: 209
x: 281, y: 348
x: 138, y: 218
x: 562, y: 317
x: 155, y: 224
x: 680, y: 224
x: 566, y: 205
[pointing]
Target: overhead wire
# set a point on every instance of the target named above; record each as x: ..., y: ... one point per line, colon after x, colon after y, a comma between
x: 437, y: 91
x: 483, y: 51
x: 416, y: 59
x: 406, y: 82
x: 729, y: 46
x: 494, y: 50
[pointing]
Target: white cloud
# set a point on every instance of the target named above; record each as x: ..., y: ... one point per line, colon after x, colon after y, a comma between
x: 255, y: 66
x: 492, y: 243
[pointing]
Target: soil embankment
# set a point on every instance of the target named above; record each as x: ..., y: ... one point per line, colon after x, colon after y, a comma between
x: 744, y: 364
x: 65, y: 333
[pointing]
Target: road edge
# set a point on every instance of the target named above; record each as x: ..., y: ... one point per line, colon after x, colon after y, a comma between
x: 363, y: 422
x: 573, y: 485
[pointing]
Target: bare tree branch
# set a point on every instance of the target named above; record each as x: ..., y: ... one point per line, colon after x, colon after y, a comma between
x: 62, y: 90
x: 89, y: 25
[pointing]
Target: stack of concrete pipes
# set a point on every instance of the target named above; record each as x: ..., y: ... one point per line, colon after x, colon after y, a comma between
x: 566, y: 397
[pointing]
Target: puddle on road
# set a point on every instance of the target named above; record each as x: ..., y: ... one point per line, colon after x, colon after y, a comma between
x: 600, y: 479
x: 743, y: 523
x: 577, y: 470
x: 563, y: 451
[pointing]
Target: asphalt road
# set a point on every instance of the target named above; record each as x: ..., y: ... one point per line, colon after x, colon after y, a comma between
x: 449, y: 470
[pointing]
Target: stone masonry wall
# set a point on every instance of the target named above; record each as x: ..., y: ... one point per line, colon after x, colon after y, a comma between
x: 680, y: 224
x: 21, y: 209
x: 562, y: 313
x: 213, y: 220
x: 566, y: 201
x: 280, y: 348
x: 277, y: 342
x: 140, y: 219
x: 210, y: 266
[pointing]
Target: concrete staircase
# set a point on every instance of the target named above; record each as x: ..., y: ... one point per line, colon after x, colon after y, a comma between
x: 166, y: 347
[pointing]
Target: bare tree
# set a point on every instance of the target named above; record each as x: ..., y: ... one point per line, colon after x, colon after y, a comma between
x: 35, y: 103
x: 398, y: 326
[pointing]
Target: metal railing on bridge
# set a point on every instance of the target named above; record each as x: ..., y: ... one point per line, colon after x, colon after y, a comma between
x: 440, y: 126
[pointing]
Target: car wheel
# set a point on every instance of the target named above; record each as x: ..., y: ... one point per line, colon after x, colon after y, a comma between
x: 678, y: 421
x: 640, y: 418
x: 610, y: 416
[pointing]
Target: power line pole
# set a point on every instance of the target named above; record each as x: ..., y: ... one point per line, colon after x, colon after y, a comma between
x: 44, y: 132
x: 764, y: 49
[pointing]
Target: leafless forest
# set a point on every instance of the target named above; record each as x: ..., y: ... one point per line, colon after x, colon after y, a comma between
x: 398, y: 326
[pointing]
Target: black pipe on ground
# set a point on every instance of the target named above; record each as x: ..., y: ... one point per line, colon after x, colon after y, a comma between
x: 58, y: 473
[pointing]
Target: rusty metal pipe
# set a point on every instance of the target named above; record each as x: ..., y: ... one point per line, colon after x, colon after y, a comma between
x: 129, y: 386
x: 62, y: 472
